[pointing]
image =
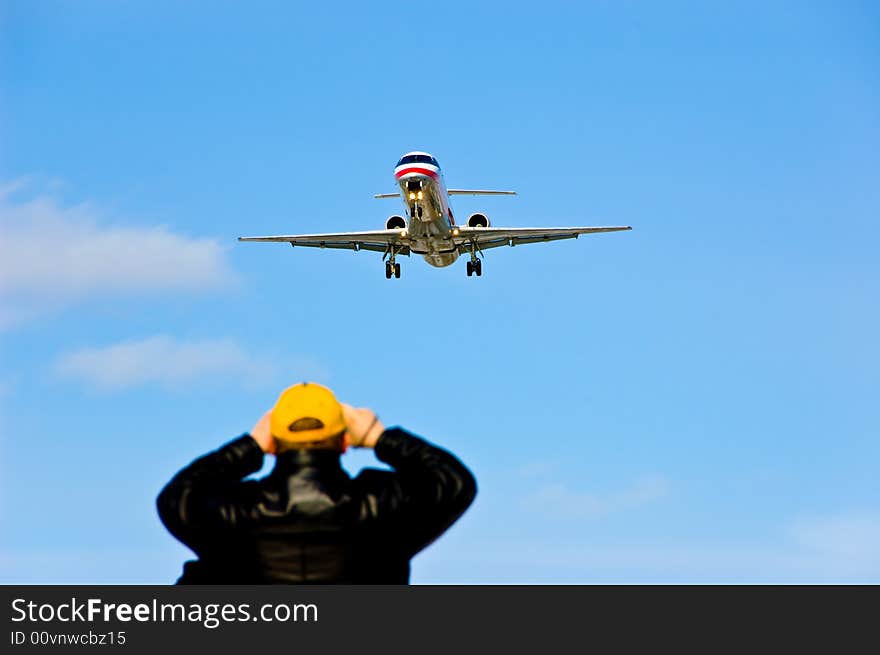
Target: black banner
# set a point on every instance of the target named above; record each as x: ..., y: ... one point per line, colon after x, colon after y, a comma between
x: 414, y: 619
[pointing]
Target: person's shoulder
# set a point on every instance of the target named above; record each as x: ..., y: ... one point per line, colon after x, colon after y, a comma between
x: 249, y: 489
x: 374, y: 492
x: 371, y: 478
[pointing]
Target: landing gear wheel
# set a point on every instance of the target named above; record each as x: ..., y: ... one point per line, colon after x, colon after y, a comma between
x: 470, y: 268
x: 419, y: 210
x: 387, y: 271
x: 397, y: 271
x: 478, y: 267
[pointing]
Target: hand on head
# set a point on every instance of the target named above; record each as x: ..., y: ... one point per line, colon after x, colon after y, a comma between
x: 262, y: 435
x: 363, y: 427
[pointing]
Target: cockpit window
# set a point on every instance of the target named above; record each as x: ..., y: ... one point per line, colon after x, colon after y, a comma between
x: 418, y: 159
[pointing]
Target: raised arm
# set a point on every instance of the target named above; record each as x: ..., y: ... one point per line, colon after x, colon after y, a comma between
x: 429, y: 489
x: 196, y: 500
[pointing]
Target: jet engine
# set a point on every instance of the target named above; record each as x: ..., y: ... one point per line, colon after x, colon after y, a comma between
x: 478, y: 220
x: 395, y: 223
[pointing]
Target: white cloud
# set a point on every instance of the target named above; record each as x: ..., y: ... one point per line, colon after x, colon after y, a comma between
x: 557, y: 500
x: 536, y: 469
x: 172, y: 363
x: 838, y: 548
x: 159, y: 359
x: 51, y: 254
x: 850, y: 540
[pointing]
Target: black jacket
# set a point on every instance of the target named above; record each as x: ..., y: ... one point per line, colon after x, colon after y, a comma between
x: 308, y: 521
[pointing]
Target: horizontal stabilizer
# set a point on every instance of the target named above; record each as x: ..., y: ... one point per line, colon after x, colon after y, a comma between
x: 458, y: 192
x: 479, y: 192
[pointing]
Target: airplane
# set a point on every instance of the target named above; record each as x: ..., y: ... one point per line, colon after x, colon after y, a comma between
x: 429, y: 228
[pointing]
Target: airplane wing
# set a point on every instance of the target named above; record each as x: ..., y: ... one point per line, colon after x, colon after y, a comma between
x: 493, y: 237
x: 375, y: 240
x: 464, y: 238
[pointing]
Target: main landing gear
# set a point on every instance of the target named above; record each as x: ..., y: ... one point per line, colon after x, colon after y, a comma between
x: 391, y: 266
x: 475, y: 264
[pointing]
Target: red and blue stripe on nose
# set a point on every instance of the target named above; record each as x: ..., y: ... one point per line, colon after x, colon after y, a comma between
x: 415, y: 169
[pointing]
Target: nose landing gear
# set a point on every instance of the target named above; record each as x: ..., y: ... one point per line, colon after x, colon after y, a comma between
x: 416, y: 192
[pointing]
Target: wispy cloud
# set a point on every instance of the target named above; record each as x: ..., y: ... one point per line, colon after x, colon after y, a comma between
x: 536, y: 469
x: 51, y: 253
x: 159, y: 359
x: 556, y: 500
x: 850, y: 540
x: 172, y: 363
x: 837, y: 548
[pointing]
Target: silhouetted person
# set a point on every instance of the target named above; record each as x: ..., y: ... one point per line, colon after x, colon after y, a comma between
x: 308, y: 521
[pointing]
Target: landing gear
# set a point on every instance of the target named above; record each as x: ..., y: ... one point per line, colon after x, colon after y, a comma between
x: 475, y: 264
x: 392, y: 268
x: 415, y: 210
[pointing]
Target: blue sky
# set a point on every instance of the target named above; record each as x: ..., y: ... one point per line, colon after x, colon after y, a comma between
x: 692, y: 401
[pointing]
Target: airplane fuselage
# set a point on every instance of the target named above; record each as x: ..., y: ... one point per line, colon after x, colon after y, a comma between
x: 430, y: 224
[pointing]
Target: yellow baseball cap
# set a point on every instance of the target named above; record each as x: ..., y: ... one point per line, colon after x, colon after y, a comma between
x: 306, y: 412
